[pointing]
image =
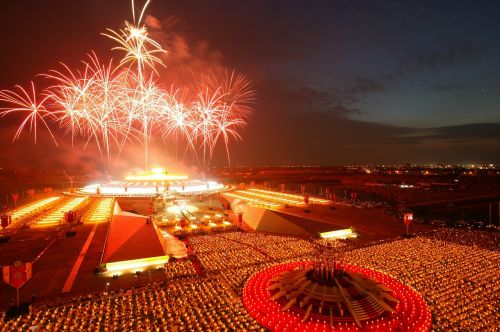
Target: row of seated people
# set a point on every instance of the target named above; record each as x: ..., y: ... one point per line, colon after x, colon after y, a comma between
x: 277, y: 247
x: 179, y: 268
x: 239, y: 249
x: 187, y: 305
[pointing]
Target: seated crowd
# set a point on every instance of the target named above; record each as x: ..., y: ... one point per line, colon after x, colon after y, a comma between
x: 277, y: 247
x: 194, y: 305
x: 457, y: 278
x: 179, y: 268
x: 453, y: 270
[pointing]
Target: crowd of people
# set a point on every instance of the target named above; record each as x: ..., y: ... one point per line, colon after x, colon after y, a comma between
x: 218, y: 253
x: 458, y: 278
x: 455, y: 271
x: 237, y: 255
x: 213, y: 243
x: 179, y: 268
x: 469, y: 237
x: 221, y: 260
x: 275, y: 247
x: 193, y: 305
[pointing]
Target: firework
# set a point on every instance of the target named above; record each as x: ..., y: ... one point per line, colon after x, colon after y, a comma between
x: 114, y: 104
x: 22, y: 101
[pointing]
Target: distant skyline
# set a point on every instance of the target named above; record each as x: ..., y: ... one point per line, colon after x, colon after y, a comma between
x: 337, y: 82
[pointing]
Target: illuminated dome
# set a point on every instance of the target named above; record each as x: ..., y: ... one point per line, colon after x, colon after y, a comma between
x: 156, y: 174
x: 307, y: 296
x: 155, y: 183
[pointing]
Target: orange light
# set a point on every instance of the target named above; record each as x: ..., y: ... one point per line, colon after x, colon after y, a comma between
x: 136, y: 264
x: 339, y: 234
x: 56, y: 216
x: 156, y: 174
x: 102, y: 211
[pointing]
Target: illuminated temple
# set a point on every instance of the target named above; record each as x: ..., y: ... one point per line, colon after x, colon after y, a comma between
x: 157, y: 182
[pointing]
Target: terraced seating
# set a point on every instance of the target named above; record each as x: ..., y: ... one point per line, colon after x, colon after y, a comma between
x: 32, y: 208
x: 56, y: 216
x: 101, y: 210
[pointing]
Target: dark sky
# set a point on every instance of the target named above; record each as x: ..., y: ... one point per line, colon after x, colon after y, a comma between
x: 338, y: 82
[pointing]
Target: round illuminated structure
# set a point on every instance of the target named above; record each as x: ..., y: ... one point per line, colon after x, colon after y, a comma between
x: 155, y: 183
x: 309, y: 296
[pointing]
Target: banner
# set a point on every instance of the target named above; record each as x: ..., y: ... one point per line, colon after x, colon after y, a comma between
x: 408, y: 218
x: 15, y: 197
x: 17, y: 274
x: 5, y: 220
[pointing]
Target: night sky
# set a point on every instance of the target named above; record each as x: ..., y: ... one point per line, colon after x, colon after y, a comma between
x: 337, y: 82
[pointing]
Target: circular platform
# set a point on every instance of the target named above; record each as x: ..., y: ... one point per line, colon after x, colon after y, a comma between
x: 298, y: 297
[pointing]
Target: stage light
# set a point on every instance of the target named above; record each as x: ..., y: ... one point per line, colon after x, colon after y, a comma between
x: 136, y: 264
x: 339, y: 234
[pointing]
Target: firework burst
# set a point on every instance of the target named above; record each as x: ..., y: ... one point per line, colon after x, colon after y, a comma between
x: 112, y: 104
x: 22, y: 101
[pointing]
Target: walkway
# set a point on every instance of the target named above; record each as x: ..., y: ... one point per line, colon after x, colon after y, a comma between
x: 76, y: 267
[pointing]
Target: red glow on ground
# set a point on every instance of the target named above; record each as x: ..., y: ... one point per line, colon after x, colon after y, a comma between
x: 411, y: 314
